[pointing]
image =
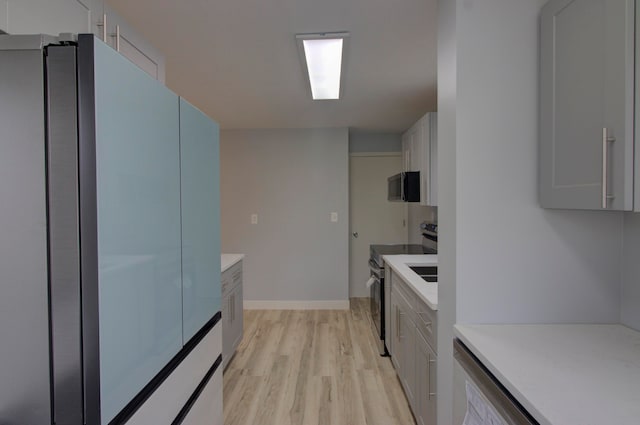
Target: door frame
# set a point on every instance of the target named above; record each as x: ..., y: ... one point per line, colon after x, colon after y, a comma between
x: 405, y: 213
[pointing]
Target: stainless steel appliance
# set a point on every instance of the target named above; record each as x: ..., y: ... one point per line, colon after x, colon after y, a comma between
x: 380, y: 290
x: 404, y: 187
x: 109, y: 190
x: 479, y: 398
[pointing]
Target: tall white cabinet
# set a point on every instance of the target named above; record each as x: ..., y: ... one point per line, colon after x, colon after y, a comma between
x: 420, y: 152
x: 82, y: 16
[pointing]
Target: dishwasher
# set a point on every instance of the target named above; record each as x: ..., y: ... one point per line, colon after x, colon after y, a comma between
x: 478, y: 397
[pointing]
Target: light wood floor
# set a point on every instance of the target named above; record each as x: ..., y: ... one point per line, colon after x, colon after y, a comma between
x: 313, y: 368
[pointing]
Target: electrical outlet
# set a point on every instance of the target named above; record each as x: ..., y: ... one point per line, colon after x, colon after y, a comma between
x: 254, y: 218
x: 334, y: 217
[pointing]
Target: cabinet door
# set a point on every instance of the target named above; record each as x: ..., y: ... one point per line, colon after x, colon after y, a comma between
x: 429, y: 165
x: 200, y: 197
x: 122, y: 37
x: 387, y: 309
x: 396, y: 347
x: 417, y: 152
x: 432, y: 160
x: 587, y: 89
x: 227, y: 330
x: 406, y: 151
x: 425, y: 412
x: 236, y: 316
x: 50, y: 17
x: 138, y: 227
x: 408, y: 341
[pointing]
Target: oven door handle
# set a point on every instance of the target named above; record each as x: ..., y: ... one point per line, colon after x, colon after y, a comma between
x: 374, y: 266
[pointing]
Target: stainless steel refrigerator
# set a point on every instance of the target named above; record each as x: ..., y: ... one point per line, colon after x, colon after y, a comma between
x: 109, y: 249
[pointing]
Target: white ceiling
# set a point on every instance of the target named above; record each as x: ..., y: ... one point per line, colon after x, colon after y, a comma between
x: 237, y: 60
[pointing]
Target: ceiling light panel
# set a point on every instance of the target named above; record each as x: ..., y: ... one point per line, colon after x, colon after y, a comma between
x: 323, y: 56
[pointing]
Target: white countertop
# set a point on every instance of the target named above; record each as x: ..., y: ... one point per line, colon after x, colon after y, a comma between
x: 564, y: 374
x: 228, y: 260
x: 427, y: 291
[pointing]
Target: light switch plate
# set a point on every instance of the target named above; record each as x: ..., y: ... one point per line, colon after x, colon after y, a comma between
x: 254, y: 218
x: 334, y: 217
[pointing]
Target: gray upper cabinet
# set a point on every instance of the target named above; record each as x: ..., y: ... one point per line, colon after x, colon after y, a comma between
x: 586, y: 104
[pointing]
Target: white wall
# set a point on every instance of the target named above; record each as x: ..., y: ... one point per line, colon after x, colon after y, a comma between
x: 630, y: 310
x: 293, y: 180
x: 503, y: 258
x: 371, y: 141
x: 551, y: 266
x: 447, y: 201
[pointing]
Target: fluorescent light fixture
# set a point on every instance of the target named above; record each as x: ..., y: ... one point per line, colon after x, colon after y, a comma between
x: 323, y: 58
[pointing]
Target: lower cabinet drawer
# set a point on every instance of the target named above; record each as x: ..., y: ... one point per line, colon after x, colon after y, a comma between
x: 167, y: 401
x: 426, y: 322
x: 207, y: 408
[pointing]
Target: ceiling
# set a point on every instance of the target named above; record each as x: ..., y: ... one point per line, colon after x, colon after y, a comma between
x: 237, y: 60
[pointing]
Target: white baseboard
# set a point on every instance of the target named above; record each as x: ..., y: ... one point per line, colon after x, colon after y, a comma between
x: 297, y: 305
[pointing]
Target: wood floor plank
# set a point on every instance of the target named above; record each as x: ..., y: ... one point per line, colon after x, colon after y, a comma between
x: 312, y: 367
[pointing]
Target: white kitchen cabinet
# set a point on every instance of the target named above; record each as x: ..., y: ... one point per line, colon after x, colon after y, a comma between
x: 406, y: 151
x: 419, y: 150
x: 50, y: 16
x: 425, y: 410
x: 123, y: 37
x: 395, y: 350
x: 232, y: 310
x: 408, y: 341
x: 404, y: 354
x: 587, y: 104
x: 413, y: 347
x: 82, y: 16
x: 388, y: 328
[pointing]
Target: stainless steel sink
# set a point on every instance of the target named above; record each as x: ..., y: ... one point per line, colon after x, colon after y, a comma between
x: 428, y: 273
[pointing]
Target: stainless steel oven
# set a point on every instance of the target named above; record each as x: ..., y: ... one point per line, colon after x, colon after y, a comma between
x: 377, y: 303
x: 377, y: 275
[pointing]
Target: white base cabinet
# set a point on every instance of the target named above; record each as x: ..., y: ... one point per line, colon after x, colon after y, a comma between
x: 413, y: 349
x: 232, y: 310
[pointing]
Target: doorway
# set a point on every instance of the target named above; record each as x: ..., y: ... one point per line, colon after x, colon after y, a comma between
x: 373, y: 219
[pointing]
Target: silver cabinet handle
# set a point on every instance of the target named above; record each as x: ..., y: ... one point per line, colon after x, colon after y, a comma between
x: 606, y: 139
x: 103, y: 25
x: 116, y: 35
x: 400, y: 327
x: 397, y: 321
x: 431, y: 361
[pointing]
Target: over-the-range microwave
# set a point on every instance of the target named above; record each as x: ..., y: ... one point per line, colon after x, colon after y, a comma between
x: 404, y: 187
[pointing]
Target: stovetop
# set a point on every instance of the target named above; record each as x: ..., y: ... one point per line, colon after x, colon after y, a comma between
x: 401, y: 249
x: 377, y: 251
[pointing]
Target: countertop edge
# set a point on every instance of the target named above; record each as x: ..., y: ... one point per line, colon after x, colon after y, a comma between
x: 458, y: 331
x: 403, y: 270
x: 618, y: 341
x: 229, y: 260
